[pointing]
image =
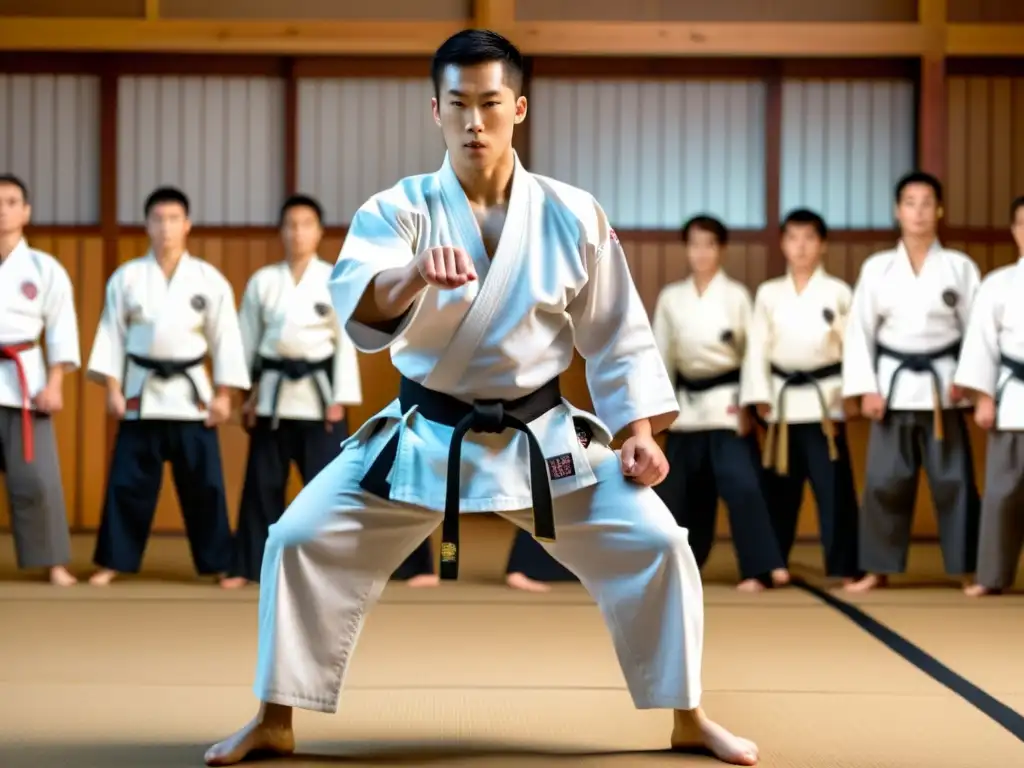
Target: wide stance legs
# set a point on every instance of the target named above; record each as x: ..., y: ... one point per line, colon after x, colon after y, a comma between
x: 330, y: 556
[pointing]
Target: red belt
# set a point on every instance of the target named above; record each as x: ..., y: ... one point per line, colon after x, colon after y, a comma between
x: 13, y: 352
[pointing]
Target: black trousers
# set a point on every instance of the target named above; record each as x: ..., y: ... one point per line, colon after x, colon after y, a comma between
x: 835, y: 496
x: 133, y: 489
x: 527, y: 557
x: 271, y: 453
x: 898, y: 449
x: 709, y: 464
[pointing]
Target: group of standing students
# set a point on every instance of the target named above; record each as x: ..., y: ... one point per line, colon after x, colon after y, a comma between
x: 165, y: 315
x: 807, y: 353
x: 915, y: 346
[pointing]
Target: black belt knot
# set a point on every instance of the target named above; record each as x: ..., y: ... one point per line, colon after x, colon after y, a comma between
x: 489, y: 417
x: 293, y: 369
x: 167, y: 369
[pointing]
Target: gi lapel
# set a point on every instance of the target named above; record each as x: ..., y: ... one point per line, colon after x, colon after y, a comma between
x: 466, y: 340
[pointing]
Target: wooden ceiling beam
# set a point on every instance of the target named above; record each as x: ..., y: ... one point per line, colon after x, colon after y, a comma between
x: 985, y: 40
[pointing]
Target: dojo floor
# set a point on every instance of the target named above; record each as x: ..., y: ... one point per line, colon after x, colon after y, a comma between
x: 147, y: 673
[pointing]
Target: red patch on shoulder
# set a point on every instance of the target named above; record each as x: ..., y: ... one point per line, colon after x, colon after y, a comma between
x: 29, y: 290
x: 613, y: 235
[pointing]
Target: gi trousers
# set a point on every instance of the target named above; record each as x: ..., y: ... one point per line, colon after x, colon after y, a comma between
x: 271, y: 453
x: 1002, y: 511
x: 133, y: 490
x: 35, y: 492
x: 708, y: 464
x: 898, y: 448
x: 331, y: 554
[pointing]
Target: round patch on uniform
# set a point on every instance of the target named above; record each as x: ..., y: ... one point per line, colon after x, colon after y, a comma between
x: 950, y: 298
x: 727, y: 337
x: 322, y: 309
x: 198, y: 303
x: 29, y: 290
x: 829, y: 315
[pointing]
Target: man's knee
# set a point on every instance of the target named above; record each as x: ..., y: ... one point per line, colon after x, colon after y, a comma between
x: 27, y: 485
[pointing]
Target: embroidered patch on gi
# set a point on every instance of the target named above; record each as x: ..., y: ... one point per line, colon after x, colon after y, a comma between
x: 198, y: 303
x: 561, y: 467
x: 583, y: 432
x: 322, y: 309
x: 613, y: 235
x: 950, y: 298
x: 29, y: 290
x: 829, y: 315
x: 727, y: 337
x: 132, y: 404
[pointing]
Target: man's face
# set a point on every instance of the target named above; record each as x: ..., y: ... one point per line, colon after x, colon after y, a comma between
x: 1018, y: 228
x: 702, y: 251
x: 918, y: 210
x: 15, y: 212
x: 477, y: 113
x: 802, y: 246
x: 168, y: 226
x: 301, y: 231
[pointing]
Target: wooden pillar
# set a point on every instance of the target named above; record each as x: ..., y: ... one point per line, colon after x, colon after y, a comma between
x: 499, y: 15
x: 932, y: 118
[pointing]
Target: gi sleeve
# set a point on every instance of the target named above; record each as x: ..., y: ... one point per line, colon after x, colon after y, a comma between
x: 107, y: 358
x: 61, y: 320
x: 224, y: 334
x: 755, y: 377
x: 859, y: 376
x: 348, y: 389
x: 381, y: 237
x: 978, y: 368
x: 663, y: 330
x: 250, y: 322
x: 625, y: 372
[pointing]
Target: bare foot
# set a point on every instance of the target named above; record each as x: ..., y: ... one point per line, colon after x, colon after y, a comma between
x: 523, y: 582
x: 102, y: 577
x: 424, y: 580
x: 780, y: 577
x: 869, y: 582
x: 977, y: 590
x: 269, y: 732
x: 750, y: 585
x: 693, y: 728
x: 234, y: 582
x: 62, y: 577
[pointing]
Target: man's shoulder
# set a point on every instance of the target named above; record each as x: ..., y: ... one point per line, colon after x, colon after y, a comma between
x: 574, y: 205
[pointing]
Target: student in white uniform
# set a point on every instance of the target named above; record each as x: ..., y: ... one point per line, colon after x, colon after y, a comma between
x: 700, y: 325
x: 304, y: 372
x: 36, y: 303
x: 481, y: 278
x: 910, y: 308
x: 165, y: 314
x: 793, y: 376
x: 992, y: 367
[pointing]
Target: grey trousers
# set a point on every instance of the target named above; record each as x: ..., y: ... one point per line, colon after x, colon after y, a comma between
x: 35, y: 492
x: 898, y: 448
x: 1002, y: 511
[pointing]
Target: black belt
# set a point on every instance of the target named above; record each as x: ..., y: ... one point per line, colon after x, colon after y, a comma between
x: 1016, y: 369
x: 695, y: 386
x: 919, y: 362
x: 292, y: 369
x: 493, y: 416
x: 776, y: 451
x: 168, y: 369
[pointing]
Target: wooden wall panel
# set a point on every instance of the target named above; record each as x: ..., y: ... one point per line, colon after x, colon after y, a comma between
x: 655, y: 152
x: 985, y: 11
x: 93, y: 9
x: 716, y: 10
x: 358, y: 136
x: 49, y: 137
x: 435, y: 10
x: 82, y: 422
x: 221, y: 139
x: 985, y: 154
x: 844, y: 145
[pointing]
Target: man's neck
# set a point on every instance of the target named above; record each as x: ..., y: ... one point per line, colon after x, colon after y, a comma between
x: 703, y: 279
x: 298, y: 263
x: 8, y: 242
x: 488, y: 187
x: 801, y: 277
x: 168, y: 259
x: 918, y: 246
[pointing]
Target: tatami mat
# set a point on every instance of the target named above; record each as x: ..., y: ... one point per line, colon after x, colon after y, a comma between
x: 147, y: 673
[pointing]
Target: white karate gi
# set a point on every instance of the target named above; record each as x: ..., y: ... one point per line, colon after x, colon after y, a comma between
x: 283, y: 319
x: 189, y: 316
x: 502, y: 336
x: 703, y: 336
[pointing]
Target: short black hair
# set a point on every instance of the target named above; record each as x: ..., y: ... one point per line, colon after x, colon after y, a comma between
x: 478, y: 46
x: 805, y: 217
x: 15, y: 181
x: 165, y: 195
x: 1016, y: 205
x: 919, y: 177
x: 707, y: 223
x: 301, y: 201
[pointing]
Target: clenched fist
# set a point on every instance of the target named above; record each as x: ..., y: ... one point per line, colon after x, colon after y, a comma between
x: 445, y: 267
